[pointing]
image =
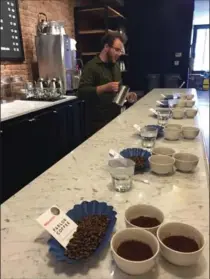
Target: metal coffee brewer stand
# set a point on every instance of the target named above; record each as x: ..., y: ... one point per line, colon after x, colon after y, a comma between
x: 56, y: 54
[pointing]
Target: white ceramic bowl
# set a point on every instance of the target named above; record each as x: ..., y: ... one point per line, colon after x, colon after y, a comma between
x: 189, y: 96
x: 190, y: 132
x: 190, y: 103
x: 172, y: 133
x: 181, y: 103
x: 176, y: 257
x: 178, y: 113
x: 163, y: 151
x: 191, y: 113
x: 161, y: 164
x: 134, y: 267
x: 174, y: 126
x: 146, y: 210
x: 186, y: 162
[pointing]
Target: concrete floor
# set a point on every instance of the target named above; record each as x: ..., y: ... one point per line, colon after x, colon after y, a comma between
x: 203, y: 104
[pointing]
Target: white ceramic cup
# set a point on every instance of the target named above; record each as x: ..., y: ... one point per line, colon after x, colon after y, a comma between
x: 134, y: 267
x: 174, y: 126
x: 163, y: 151
x: 178, y: 113
x: 181, y: 103
x: 172, y: 133
x: 146, y: 210
x: 191, y: 112
x: 190, y: 103
x: 161, y: 164
x: 190, y: 132
x: 185, y: 162
x: 189, y: 96
x: 180, y: 229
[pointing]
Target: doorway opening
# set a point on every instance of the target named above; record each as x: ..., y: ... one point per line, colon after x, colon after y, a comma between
x: 200, y: 48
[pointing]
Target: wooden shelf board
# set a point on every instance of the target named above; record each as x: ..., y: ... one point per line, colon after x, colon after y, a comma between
x: 99, y: 31
x: 92, y: 10
x: 111, y: 12
x: 115, y: 13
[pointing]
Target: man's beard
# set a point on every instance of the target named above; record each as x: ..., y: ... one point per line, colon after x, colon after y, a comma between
x: 110, y: 59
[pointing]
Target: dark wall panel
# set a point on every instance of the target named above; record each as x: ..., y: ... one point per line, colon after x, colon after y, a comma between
x: 157, y: 29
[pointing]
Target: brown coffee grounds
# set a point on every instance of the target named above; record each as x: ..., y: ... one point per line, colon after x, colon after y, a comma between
x: 140, y: 161
x: 86, y: 239
x: 181, y: 243
x: 145, y: 222
x: 133, y: 250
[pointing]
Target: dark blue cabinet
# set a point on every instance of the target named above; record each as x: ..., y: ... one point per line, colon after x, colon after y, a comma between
x: 33, y: 143
x: 15, y: 157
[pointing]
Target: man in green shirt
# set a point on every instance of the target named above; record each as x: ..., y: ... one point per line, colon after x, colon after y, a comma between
x: 100, y: 82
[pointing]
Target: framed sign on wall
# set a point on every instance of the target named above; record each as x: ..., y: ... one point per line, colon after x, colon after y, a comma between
x: 11, y: 36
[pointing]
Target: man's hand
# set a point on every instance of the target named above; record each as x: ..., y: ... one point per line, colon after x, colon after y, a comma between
x: 131, y: 97
x: 111, y: 87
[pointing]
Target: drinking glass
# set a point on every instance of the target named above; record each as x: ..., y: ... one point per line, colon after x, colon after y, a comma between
x: 163, y: 117
x: 121, y: 171
x: 29, y: 87
x: 148, y: 137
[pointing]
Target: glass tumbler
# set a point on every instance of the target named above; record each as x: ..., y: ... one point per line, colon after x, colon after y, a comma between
x: 29, y: 87
x: 148, y: 137
x: 121, y: 171
x: 163, y: 117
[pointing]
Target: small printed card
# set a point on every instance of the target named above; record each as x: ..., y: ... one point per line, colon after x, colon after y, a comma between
x: 114, y: 154
x: 137, y: 127
x: 58, y: 224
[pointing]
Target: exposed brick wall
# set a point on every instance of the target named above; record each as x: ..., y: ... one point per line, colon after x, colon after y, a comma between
x: 29, y: 9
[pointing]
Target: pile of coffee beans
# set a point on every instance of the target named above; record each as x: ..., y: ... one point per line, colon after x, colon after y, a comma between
x: 140, y: 161
x: 86, y: 239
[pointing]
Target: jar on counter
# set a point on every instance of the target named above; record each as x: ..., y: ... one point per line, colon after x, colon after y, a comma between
x: 5, y: 87
x: 17, y: 86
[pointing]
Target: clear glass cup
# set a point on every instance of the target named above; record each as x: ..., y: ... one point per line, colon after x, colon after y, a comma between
x: 29, y: 87
x: 163, y: 116
x: 148, y: 137
x: 17, y: 84
x: 121, y: 171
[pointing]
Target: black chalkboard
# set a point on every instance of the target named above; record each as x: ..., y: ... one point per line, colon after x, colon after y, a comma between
x: 11, y: 37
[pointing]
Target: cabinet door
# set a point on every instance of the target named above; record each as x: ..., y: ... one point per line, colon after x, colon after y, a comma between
x: 70, y: 128
x: 15, y: 157
x: 85, y: 121
x: 49, y: 133
x: 77, y: 124
x: 42, y: 132
x: 60, y: 123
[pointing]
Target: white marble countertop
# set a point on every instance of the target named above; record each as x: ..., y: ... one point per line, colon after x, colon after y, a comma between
x: 18, y: 107
x: 182, y: 197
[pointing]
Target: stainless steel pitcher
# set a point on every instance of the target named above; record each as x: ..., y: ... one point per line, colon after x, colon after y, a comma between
x: 120, y: 97
x: 55, y: 28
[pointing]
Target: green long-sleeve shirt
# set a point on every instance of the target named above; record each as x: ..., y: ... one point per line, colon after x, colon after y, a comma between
x: 97, y: 73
